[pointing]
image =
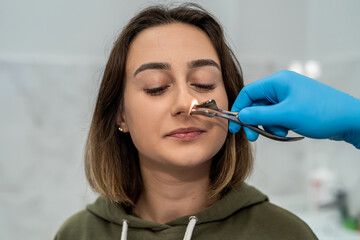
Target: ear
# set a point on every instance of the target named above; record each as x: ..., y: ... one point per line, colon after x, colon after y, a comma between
x: 121, y: 122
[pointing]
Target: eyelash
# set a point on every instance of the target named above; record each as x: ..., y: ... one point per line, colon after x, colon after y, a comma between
x: 156, y: 91
x: 204, y: 87
x: 159, y: 90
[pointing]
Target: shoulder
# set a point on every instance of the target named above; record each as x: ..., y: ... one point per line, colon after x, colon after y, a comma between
x: 79, y: 226
x: 249, y: 213
x: 73, y: 224
x: 93, y: 223
x: 277, y: 221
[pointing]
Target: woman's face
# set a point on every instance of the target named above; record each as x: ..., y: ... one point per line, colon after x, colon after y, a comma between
x: 168, y: 69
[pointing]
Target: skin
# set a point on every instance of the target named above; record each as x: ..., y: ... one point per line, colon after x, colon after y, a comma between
x: 175, y: 149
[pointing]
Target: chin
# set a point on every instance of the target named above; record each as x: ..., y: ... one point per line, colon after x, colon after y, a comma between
x: 189, y: 160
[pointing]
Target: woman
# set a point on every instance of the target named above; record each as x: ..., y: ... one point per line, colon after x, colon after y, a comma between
x: 161, y: 172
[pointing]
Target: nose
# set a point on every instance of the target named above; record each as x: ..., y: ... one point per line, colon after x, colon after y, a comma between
x: 183, y: 101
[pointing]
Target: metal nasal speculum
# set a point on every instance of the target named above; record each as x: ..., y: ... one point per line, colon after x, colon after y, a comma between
x: 210, y: 109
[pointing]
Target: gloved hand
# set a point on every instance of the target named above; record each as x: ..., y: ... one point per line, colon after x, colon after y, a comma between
x: 290, y: 101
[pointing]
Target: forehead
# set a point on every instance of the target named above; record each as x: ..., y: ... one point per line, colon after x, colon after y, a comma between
x: 176, y: 42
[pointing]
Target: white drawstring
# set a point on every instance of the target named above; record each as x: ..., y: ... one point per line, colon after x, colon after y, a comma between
x: 124, y: 230
x: 187, y: 236
x: 190, y: 228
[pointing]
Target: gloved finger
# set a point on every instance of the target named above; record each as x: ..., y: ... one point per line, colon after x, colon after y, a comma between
x: 246, y: 97
x: 241, y: 101
x: 234, y: 127
x: 260, y: 91
x: 270, y: 115
x: 277, y: 130
x: 250, y: 134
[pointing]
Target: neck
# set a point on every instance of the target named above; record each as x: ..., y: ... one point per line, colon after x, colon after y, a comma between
x: 168, y: 195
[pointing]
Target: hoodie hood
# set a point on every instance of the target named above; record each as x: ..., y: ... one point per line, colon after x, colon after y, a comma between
x: 242, y: 213
x: 238, y: 198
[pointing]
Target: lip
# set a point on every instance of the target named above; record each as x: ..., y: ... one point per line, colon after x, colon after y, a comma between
x: 186, y: 133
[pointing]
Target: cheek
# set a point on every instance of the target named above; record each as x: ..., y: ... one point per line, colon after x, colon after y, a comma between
x: 222, y: 102
x: 143, y: 121
x: 218, y: 137
x: 221, y: 98
x: 222, y: 126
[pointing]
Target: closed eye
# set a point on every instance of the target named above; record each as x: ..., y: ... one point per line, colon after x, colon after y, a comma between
x: 204, y: 87
x: 156, y: 91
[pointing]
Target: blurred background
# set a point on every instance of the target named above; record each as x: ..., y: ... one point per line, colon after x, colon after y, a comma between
x: 52, y: 56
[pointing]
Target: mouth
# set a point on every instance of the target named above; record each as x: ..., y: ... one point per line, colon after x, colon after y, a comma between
x: 186, y: 133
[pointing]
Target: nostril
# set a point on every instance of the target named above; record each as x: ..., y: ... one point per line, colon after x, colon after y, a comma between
x: 185, y: 110
x: 183, y: 103
x: 180, y: 113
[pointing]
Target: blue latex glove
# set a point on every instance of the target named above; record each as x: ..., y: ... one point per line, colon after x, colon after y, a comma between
x: 290, y: 101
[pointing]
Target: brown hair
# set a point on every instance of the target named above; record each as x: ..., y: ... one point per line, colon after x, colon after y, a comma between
x: 111, y: 159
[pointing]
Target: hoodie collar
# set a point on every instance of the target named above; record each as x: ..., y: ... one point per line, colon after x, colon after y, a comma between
x: 236, y: 199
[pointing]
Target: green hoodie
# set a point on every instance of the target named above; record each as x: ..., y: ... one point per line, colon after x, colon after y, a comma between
x: 243, y: 213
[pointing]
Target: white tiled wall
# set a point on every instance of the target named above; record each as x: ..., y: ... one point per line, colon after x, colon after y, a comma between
x: 44, y: 121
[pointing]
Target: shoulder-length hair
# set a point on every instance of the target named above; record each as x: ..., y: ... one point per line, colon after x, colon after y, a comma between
x: 111, y: 159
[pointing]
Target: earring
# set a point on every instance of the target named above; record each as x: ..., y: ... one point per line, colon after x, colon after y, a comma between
x: 121, y: 130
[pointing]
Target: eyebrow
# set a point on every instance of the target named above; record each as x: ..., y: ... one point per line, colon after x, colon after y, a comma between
x: 203, y: 63
x: 166, y: 66
x: 152, y: 65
